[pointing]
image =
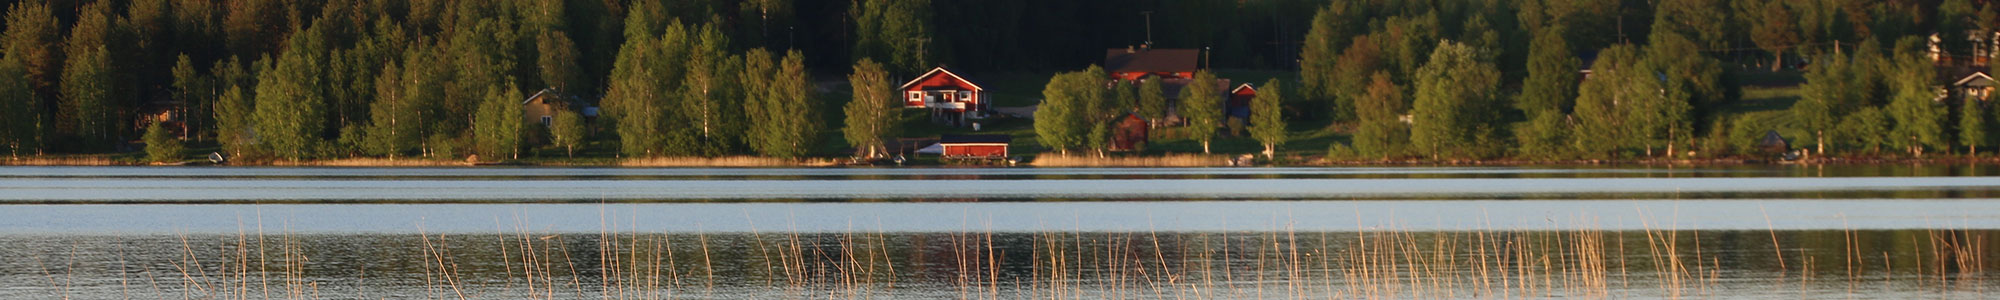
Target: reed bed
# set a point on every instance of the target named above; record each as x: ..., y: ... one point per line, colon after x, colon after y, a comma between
x: 726, y: 161
x: 370, y: 162
x: 1168, y: 160
x: 60, y: 160
x: 1569, y: 259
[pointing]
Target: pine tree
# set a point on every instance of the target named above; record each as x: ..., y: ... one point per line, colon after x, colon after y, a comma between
x: 870, y: 114
x: 1201, y: 104
x: 1267, y: 122
x: 33, y: 38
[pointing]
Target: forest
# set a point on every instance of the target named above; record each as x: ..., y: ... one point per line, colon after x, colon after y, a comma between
x: 1361, y: 79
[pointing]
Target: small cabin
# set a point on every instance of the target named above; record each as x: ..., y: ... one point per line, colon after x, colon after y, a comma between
x: 542, y: 107
x: 1131, y: 63
x: 980, y: 146
x: 952, y: 99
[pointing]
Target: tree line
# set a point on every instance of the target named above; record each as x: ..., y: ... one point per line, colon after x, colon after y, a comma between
x: 1494, y: 79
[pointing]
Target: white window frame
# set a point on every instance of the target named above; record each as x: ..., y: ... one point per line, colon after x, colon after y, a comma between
x: 547, y: 120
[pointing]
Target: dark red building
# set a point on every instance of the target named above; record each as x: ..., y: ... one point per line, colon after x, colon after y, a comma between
x: 979, y: 146
x: 1135, y: 63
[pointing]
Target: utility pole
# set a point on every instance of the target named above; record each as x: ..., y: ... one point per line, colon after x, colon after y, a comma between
x: 1206, y: 52
x: 1149, y: 27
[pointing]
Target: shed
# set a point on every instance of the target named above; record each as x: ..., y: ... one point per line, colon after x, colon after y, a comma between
x: 976, y: 146
x: 1238, y: 105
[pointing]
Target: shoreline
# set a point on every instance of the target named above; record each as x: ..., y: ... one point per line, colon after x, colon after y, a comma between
x: 1040, y: 161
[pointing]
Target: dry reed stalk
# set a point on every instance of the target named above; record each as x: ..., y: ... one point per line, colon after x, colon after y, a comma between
x: 58, y: 160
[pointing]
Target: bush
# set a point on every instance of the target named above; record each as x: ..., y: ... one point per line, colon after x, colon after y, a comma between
x: 161, y: 146
x: 1340, y: 151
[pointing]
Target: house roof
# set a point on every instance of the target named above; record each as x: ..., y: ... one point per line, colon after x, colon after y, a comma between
x: 1245, y: 85
x: 975, y: 139
x: 538, y: 94
x: 1976, y: 79
x: 934, y: 72
x: 1151, y: 60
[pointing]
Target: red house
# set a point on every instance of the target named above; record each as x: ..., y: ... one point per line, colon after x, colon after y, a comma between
x: 951, y: 98
x: 1238, y: 105
x: 1134, y: 63
x: 982, y: 146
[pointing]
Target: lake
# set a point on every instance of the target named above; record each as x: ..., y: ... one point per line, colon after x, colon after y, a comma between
x: 1881, y: 231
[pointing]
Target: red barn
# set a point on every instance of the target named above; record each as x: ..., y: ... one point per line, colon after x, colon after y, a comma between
x: 991, y: 146
x: 950, y: 97
x: 1135, y: 63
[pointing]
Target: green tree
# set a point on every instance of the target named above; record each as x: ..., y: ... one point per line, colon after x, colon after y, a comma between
x: 1552, y: 74
x: 1776, y: 31
x: 1831, y: 89
x: 234, y: 118
x: 1919, y: 119
x: 1866, y: 128
x: 1454, y: 104
x: 568, y: 131
x: 497, y: 129
x: 1201, y: 105
x: 1152, y: 100
x: 1267, y: 122
x: 557, y: 61
x: 1333, y: 27
x: 705, y: 96
x: 195, y: 94
x: 1383, y: 133
x: 790, y: 112
x: 1060, y: 120
x: 19, y: 124
x: 91, y: 83
x: 33, y: 38
x: 1606, y: 103
x: 871, y: 112
x: 290, y: 105
x: 161, y: 145
x: 897, y: 32
x: 1972, y: 126
x: 394, y: 127
x: 1352, y: 75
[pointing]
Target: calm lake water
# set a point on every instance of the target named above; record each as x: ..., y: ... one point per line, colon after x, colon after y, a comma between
x: 1405, y: 232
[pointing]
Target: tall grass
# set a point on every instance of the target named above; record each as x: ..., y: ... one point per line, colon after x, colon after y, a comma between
x: 1571, y: 258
